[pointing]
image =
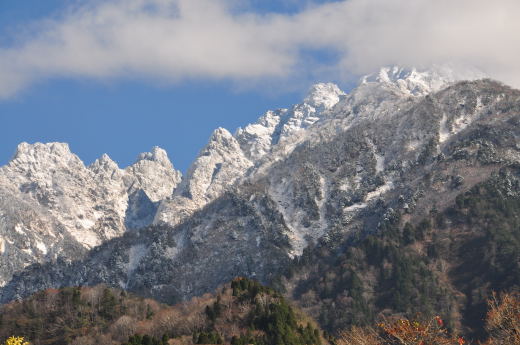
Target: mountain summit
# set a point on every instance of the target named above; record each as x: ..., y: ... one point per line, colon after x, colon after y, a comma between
x: 60, y: 208
x: 420, y: 82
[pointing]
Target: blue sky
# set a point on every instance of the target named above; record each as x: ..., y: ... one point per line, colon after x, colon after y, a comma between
x: 127, y: 118
x: 121, y: 76
x: 124, y: 118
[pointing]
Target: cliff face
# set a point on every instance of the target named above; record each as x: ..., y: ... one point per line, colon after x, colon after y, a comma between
x: 56, y: 207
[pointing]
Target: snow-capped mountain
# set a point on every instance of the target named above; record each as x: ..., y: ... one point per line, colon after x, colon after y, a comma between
x: 71, y: 208
x: 335, y: 164
x: 274, y: 127
x: 154, y: 174
x: 219, y: 164
x: 421, y: 82
x: 227, y: 159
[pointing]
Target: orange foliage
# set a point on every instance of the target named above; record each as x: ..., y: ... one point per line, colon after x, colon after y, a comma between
x: 503, y: 319
x: 402, y: 332
x: 502, y: 325
x: 406, y: 332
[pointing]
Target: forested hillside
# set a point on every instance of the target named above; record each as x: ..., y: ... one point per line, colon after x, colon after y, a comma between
x: 447, y: 264
x: 239, y: 313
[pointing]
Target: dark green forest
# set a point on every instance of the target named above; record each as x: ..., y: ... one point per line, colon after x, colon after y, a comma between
x: 447, y: 264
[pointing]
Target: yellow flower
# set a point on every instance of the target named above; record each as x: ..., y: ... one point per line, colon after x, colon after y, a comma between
x: 16, y: 341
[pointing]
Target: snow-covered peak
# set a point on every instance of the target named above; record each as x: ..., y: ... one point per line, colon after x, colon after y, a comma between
x: 256, y: 138
x: 323, y: 95
x: 158, y: 155
x: 105, y: 159
x: 218, y: 165
x: 154, y: 173
x: 220, y: 137
x: 90, y: 203
x: 274, y: 127
x: 103, y: 163
x: 420, y: 82
x: 43, y: 153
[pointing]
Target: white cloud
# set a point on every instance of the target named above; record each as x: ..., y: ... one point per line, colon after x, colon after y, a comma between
x: 174, y: 40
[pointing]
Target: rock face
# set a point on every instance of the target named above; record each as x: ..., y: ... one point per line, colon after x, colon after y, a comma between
x: 227, y: 159
x: 334, y: 165
x: 65, y: 208
x: 153, y: 173
x: 276, y: 127
x: 217, y: 166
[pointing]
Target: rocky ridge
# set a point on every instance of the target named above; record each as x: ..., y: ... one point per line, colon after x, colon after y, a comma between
x: 349, y: 168
x: 69, y: 208
x: 228, y: 158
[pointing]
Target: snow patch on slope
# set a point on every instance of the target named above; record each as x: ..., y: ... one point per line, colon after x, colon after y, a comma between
x: 135, y: 255
x: 2, y: 246
x: 379, y: 191
x: 444, y: 131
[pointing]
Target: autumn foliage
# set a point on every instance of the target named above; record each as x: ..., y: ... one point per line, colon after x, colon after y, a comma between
x: 503, y: 319
x: 243, y: 312
x: 239, y: 313
x: 402, y: 332
x: 502, y: 326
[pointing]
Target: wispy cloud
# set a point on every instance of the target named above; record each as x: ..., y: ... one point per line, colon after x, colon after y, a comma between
x: 175, y: 40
